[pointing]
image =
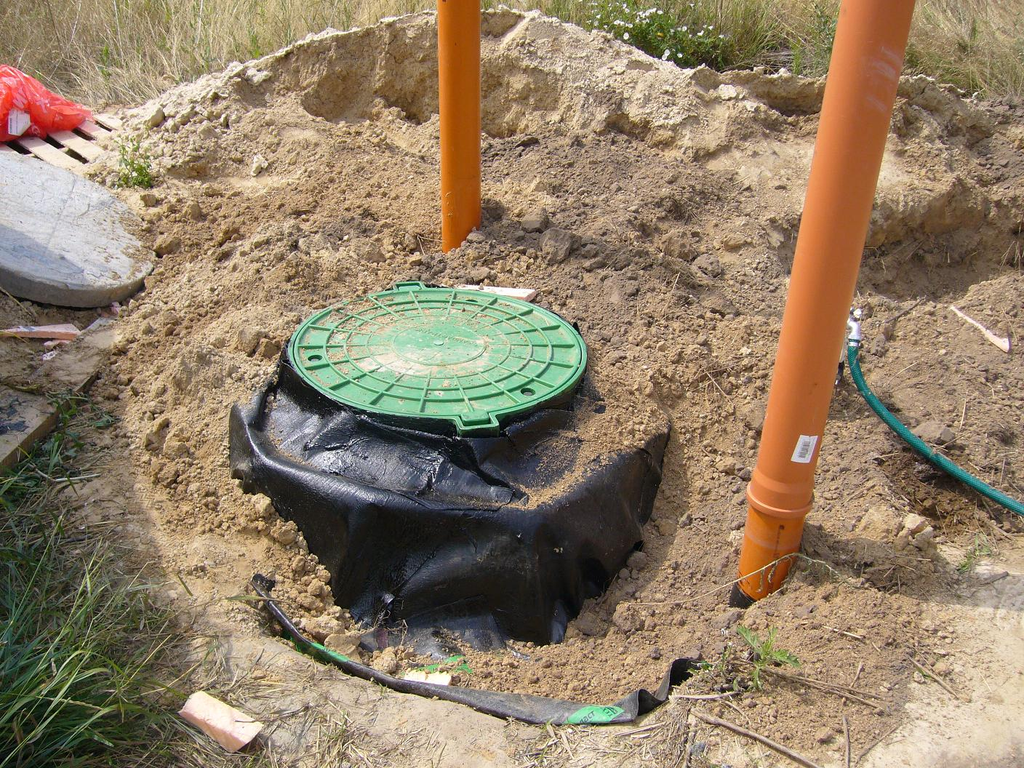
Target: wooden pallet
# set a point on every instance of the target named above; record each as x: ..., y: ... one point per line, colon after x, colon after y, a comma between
x: 70, y: 150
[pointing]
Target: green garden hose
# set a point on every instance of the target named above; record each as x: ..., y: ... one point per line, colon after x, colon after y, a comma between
x: 917, y: 443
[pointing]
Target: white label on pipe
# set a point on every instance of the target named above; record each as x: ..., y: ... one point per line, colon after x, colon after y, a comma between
x: 804, y: 449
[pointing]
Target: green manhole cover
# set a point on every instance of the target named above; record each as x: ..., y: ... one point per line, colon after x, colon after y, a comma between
x: 466, y: 357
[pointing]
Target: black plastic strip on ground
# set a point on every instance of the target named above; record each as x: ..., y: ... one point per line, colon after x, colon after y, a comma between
x: 524, y: 707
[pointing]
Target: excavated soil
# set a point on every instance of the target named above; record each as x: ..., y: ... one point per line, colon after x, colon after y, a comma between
x: 310, y: 176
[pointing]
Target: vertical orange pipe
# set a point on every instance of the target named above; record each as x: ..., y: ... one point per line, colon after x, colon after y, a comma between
x: 458, y: 60
x: 867, y: 57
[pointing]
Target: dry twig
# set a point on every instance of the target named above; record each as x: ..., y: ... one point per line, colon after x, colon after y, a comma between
x: 929, y: 674
x: 846, y: 734
x: 876, y: 742
x: 998, y: 341
x: 643, y: 729
x: 853, y: 694
x: 844, y: 633
x: 796, y: 757
x: 856, y: 677
x: 703, y: 696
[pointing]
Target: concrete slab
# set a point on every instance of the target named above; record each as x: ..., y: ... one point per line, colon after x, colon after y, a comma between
x: 65, y: 240
x: 76, y: 365
x: 24, y: 418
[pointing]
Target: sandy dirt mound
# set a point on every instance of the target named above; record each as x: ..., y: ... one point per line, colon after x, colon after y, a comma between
x: 668, y: 203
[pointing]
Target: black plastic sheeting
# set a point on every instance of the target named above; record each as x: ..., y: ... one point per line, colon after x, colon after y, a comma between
x: 440, y: 538
x: 524, y: 707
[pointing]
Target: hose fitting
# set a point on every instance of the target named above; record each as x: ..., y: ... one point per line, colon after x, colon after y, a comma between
x: 853, y: 329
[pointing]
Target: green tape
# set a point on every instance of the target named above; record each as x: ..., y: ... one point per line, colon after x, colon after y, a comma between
x: 594, y: 715
x: 329, y: 653
x: 463, y: 667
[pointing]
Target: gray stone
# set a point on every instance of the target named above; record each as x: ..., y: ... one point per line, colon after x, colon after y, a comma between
x: 268, y: 349
x: 916, y: 531
x: 167, y: 244
x: 368, y: 251
x: 718, y: 303
x: 589, y: 625
x: 638, y: 561
x: 729, y: 618
x: 727, y: 466
x: 878, y: 346
x: 345, y: 643
x: 313, y: 243
x: 625, y: 619
x: 64, y: 240
x: 536, y: 221
x: 249, y: 339
x: 925, y: 539
x: 154, y: 118
x: 557, y: 244
x: 914, y: 523
x: 478, y: 275
x: 934, y: 432
x: 678, y: 245
x: 709, y: 264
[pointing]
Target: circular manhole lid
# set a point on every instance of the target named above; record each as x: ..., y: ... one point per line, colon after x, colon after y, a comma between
x: 466, y: 357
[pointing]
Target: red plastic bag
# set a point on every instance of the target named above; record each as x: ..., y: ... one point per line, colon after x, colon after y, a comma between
x: 28, y: 109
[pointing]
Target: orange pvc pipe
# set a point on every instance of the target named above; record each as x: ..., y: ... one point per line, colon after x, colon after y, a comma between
x: 867, y: 56
x: 458, y: 60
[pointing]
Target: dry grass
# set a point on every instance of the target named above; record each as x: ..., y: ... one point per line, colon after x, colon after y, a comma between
x: 125, y: 51
x: 973, y: 43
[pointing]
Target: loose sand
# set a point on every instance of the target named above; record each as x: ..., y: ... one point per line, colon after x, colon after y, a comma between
x: 310, y: 176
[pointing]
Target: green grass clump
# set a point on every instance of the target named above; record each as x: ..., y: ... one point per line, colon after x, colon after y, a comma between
x: 134, y: 165
x: 811, y: 42
x: 980, y: 548
x: 764, y: 653
x: 73, y: 650
x: 79, y: 637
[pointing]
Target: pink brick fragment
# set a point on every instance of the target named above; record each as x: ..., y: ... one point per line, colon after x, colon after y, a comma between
x: 225, y: 724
